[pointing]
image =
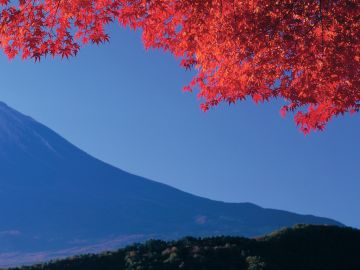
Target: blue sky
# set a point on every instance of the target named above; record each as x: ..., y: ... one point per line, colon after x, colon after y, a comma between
x: 124, y: 105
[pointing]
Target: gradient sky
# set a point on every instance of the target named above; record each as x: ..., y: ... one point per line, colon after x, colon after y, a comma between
x: 124, y: 105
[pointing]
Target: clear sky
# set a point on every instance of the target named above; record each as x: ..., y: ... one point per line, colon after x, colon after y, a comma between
x: 124, y: 105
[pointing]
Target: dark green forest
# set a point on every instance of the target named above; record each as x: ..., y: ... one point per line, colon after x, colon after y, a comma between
x: 303, y: 247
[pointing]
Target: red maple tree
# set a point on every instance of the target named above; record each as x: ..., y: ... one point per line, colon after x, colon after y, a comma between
x: 305, y: 52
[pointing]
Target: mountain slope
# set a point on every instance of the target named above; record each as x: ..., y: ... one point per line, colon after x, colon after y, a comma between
x: 55, y: 197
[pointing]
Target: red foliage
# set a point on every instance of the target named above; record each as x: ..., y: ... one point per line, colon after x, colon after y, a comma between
x: 306, y: 52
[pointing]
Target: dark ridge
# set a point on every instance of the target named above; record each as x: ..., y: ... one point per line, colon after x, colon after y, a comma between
x: 298, y: 248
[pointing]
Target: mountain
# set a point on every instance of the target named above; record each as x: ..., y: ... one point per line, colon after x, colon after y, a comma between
x: 56, y: 200
x: 299, y: 248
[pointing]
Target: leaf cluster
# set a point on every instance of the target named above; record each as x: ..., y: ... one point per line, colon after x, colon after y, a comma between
x: 305, y: 52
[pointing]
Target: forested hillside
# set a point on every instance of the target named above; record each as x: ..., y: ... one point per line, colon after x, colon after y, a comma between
x: 303, y: 247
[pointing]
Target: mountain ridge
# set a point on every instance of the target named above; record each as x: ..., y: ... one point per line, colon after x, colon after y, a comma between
x: 54, y: 196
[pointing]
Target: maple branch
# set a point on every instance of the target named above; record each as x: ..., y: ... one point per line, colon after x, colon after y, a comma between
x: 322, y: 24
x: 239, y: 47
x: 53, y: 21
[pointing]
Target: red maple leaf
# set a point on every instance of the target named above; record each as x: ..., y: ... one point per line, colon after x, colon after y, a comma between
x: 306, y: 52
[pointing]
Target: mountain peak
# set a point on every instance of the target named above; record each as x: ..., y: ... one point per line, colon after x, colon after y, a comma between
x: 22, y: 137
x: 12, y: 121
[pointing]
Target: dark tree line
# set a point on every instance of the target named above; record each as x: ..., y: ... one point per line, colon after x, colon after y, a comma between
x: 303, y: 247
